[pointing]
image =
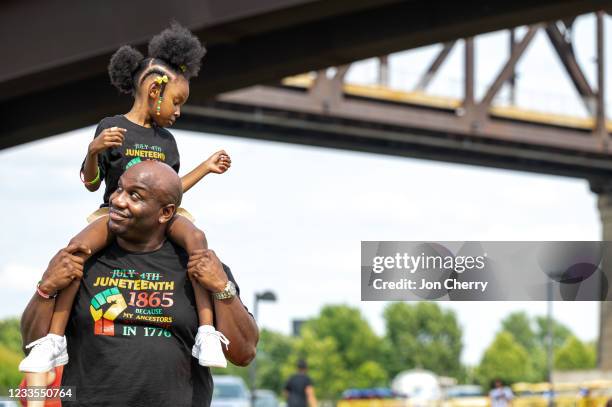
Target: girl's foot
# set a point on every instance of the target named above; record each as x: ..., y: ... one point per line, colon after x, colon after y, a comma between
x: 47, y: 352
x: 207, y: 347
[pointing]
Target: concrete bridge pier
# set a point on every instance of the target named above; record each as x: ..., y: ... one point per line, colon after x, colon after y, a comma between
x: 604, y: 204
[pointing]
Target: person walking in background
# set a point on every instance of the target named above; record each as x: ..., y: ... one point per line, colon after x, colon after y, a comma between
x: 299, y: 389
x: 500, y: 395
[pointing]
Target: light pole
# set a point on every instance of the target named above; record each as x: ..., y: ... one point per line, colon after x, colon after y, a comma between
x: 265, y: 296
x: 550, y: 342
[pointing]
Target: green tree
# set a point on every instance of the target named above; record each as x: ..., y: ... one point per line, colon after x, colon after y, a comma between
x: 519, y: 325
x: 423, y: 335
x: 575, y: 355
x: 560, y: 332
x: 539, y: 364
x: 273, y: 350
x: 325, y: 364
x: 10, y: 334
x: 369, y: 374
x: 535, y: 340
x: 10, y: 354
x: 504, y: 359
x: 9, y: 373
x: 351, y: 332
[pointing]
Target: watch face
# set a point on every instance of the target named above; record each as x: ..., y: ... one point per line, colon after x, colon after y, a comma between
x: 228, y: 292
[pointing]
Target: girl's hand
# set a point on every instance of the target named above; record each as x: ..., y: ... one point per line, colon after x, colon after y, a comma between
x: 218, y: 163
x: 108, y: 138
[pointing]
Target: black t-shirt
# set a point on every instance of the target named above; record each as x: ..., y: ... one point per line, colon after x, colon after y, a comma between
x: 131, y: 330
x: 296, y: 387
x: 140, y: 143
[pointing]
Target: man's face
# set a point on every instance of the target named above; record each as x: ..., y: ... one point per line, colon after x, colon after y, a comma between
x: 134, y: 207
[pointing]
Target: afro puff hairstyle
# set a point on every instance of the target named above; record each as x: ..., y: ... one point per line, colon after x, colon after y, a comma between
x: 179, y: 48
x: 123, y: 65
x: 175, y: 48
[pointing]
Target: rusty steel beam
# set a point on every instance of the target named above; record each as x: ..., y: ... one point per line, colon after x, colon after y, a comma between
x: 508, y: 69
x: 383, y: 70
x: 431, y: 120
x: 328, y: 91
x: 435, y: 66
x: 364, y: 125
x: 566, y: 55
x: 468, y: 80
x: 600, y: 116
x: 62, y: 55
x: 512, y: 79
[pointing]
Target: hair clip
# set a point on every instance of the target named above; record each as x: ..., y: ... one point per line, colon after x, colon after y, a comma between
x: 161, y: 79
x: 183, y: 67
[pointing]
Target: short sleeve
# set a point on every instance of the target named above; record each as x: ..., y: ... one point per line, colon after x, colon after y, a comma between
x: 288, y: 384
x: 103, y: 159
x: 177, y: 165
x: 308, y: 382
x: 176, y: 159
x: 230, y: 276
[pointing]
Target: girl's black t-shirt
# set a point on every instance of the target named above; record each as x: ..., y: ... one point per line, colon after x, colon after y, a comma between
x: 131, y: 330
x: 140, y: 143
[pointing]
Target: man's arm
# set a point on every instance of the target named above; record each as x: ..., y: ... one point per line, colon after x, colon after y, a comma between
x: 231, y: 316
x: 310, y: 396
x: 62, y: 270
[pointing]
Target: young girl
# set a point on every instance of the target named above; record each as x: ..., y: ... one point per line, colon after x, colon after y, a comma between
x: 160, y: 86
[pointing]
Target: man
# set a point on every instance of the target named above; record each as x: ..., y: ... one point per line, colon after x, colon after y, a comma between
x: 299, y: 389
x: 134, y: 319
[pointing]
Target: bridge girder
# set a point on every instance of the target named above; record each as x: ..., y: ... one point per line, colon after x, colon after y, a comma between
x: 54, y: 80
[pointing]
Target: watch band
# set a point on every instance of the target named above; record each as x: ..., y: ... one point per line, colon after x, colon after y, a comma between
x: 228, y: 292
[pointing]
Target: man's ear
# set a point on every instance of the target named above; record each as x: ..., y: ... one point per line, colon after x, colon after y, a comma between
x: 166, y: 213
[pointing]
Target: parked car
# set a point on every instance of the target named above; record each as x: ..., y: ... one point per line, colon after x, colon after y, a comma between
x: 466, y: 395
x: 230, y: 391
x: 265, y: 398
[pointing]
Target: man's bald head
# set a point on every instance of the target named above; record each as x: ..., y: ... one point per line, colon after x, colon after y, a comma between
x: 143, y: 205
x: 161, y: 179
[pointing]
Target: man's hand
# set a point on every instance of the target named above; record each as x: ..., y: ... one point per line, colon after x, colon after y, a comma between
x: 205, y: 267
x: 63, y: 268
x: 218, y: 163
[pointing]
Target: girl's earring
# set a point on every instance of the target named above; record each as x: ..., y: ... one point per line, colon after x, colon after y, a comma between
x: 159, y: 101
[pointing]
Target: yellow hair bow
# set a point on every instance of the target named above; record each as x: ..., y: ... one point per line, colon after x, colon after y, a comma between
x: 161, y: 79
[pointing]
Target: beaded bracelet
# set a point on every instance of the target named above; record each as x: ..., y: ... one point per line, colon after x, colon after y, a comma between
x: 42, y: 294
x: 93, y: 181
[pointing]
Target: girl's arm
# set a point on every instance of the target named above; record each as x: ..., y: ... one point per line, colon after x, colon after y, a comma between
x: 218, y: 163
x: 108, y: 138
x: 63, y: 268
x: 95, y: 236
x: 184, y: 233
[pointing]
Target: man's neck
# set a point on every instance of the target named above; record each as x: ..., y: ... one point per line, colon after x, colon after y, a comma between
x: 137, y: 247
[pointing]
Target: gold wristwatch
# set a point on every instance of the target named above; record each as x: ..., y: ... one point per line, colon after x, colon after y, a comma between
x: 228, y: 292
